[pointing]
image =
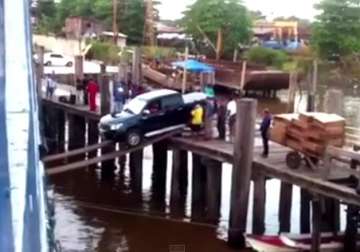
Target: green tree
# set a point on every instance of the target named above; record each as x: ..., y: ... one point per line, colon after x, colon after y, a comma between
x: 336, y: 32
x: 132, y: 20
x: 225, y: 21
x: 46, y: 11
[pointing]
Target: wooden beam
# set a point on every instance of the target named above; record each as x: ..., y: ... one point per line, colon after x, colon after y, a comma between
x: 241, y: 175
x: 71, y: 109
x: 76, y: 152
x: 85, y: 163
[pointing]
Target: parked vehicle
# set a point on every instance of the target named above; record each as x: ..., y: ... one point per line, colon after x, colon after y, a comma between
x: 150, y: 114
x: 56, y: 59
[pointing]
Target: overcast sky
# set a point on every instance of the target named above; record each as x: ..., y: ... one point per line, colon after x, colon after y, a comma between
x: 172, y: 9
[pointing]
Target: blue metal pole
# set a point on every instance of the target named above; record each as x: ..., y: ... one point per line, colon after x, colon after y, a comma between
x: 6, y: 230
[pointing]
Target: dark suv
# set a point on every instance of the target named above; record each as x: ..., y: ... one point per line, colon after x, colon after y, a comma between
x: 150, y: 114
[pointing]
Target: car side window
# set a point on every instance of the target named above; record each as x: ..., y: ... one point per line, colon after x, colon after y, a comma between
x: 153, y: 107
x: 55, y: 56
x: 171, y: 102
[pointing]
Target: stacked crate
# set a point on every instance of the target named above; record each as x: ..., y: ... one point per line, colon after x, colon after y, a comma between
x: 309, y: 133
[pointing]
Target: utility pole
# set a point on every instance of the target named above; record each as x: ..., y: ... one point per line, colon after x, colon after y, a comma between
x: 114, y: 25
x: 149, y: 32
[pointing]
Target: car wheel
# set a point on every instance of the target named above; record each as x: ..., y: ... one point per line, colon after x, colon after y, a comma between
x: 48, y: 63
x: 133, y: 138
x: 69, y: 64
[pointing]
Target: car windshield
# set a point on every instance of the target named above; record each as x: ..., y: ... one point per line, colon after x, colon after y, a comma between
x: 135, y: 106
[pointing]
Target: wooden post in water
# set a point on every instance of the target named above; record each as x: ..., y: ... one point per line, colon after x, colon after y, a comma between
x: 316, y: 224
x: 159, y: 164
x: 351, y: 232
x: 285, y: 207
x: 241, y: 174
x: 305, y: 198
x: 198, y: 188
x: 258, y: 226
x: 179, y: 181
x: 136, y: 165
x: 213, y: 190
x: 60, y: 128
x: 93, y: 138
x: 76, y: 135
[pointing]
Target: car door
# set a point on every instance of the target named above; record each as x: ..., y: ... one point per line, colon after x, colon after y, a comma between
x: 172, y: 106
x: 153, y: 118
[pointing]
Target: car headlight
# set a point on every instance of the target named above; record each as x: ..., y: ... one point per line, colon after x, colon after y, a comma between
x: 116, y: 126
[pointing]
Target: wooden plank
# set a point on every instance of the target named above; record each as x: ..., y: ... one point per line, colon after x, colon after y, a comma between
x: 241, y: 174
x: 76, y: 152
x: 109, y: 156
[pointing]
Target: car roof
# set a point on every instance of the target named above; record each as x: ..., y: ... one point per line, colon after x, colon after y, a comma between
x: 156, y: 94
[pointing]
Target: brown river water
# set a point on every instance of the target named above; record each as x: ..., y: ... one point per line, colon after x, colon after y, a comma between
x: 107, y: 215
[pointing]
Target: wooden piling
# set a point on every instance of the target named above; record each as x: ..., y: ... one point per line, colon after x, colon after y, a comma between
x: 351, y: 232
x: 331, y: 216
x: 76, y: 135
x: 285, y: 207
x: 179, y: 175
x: 198, y: 188
x: 136, y: 170
x: 60, y: 129
x: 305, y: 198
x: 316, y: 223
x: 49, y: 118
x: 258, y: 226
x: 93, y: 138
x: 179, y: 182
x: 213, y: 189
x: 241, y: 174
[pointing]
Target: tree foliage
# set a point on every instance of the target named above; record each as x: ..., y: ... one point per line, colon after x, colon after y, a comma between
x: 266, y: 56
x: 336, y: 32
x: 209, y: 16
x: 130, y: 15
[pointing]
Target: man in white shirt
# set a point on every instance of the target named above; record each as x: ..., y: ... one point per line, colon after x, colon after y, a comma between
x: 231, y: 114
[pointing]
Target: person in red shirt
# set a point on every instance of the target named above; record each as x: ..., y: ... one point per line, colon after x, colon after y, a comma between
x: 92, y: 89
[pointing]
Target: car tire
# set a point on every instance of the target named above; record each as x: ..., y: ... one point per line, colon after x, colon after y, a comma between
x: 69, y: 64
x: 48, y: 63
x: 133, y: 138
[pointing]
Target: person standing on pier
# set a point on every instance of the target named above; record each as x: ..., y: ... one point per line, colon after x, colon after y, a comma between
x: 197, y: 115
x: 50, y: 86
x: 92, y: 89
x: 119, y: 96
x: 265, y: 131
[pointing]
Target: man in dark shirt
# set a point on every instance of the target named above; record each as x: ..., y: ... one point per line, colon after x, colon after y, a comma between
x: 264, y: 129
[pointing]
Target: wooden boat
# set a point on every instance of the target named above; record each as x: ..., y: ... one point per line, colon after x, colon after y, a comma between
x: 294, y: 243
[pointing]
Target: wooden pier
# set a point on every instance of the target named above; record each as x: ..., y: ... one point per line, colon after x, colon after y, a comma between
x: 207, y: 159
x: 72, y: 137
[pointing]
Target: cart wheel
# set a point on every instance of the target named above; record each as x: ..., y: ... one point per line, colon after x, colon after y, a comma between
x: 293, y: 160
